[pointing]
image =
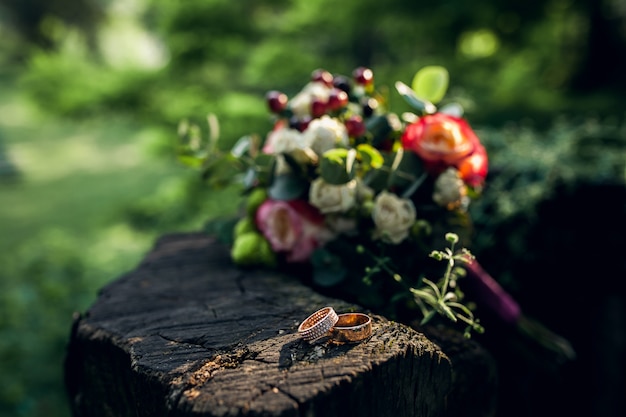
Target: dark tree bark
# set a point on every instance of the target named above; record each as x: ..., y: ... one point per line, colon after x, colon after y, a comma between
x: 189, y: 334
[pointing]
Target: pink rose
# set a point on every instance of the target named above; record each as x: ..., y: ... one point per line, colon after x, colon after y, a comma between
x: 444, y: 141
x: 292, y: 227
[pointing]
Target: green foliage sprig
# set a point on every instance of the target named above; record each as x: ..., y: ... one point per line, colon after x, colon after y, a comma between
x: 441, y: 297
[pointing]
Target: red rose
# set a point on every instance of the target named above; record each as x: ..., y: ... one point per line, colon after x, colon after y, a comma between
x: 443, y: 141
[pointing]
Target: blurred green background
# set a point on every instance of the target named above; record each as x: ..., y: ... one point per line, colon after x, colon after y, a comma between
x: 92, y: 91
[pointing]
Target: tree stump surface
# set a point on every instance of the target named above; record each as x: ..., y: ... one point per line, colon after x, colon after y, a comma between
x: 187, y: 333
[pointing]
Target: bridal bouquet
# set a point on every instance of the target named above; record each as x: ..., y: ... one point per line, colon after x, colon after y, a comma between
x: 361, y: 201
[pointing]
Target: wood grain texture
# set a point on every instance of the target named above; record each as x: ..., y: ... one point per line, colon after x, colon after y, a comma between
x: 188, y: 334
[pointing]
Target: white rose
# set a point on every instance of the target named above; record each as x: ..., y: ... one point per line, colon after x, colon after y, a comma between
x: 329, y: 198
x: 325, y: 133
x: 300, y: 104
x: 393, y: 217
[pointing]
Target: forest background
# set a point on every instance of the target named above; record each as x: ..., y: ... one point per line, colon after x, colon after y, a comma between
x: 92, y: 91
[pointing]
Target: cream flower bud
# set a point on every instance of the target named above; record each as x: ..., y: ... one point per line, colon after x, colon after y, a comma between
x: 450, y: 190
x: 283, y: 140
x: 300, y: 104
x: 393, y: 217
x: 325, y: 133
x: 329, y: 198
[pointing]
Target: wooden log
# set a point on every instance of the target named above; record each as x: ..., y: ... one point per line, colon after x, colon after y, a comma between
x: 188, y: 334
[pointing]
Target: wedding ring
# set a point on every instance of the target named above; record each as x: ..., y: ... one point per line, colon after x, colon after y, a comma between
x: 351, y: 328
x: 318, y: 324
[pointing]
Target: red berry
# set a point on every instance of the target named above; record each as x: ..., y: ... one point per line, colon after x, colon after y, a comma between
x: 355, y: 126
x: 304, y: 123
x: 363, y: 76
x: 299, y: 123
x: 322, y: 76
x: 369, y: 106
x: 337, y: 99
x: 318, y: 107
x: 276, y: 101
x: 342, y: 82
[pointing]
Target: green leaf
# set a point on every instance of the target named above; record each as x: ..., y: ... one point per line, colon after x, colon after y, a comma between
x: 426, y: 296
x: 447, y: 311
x: 407, y: 172
x: 379, y: 128
x: 287, y: 187
x: 419, y: 104
x: 378, y: 178
x: 263, y: 169
x: 328, y: 270
x: 192, y: 161
x: 222, y: 228
x: 428, y: 317
x: 220, y: 171
x: 433, y: 286
x: 431, y: 83
x: 337, y: 166
x: 370, y: 156
x: 452, y: 109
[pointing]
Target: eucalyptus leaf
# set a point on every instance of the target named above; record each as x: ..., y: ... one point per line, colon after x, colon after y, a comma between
x: 220, y: 171
x: 242, y: 146
x: 419, y: 104
x: 380, y: 128
x: 431, y: 83
x: 288, y: 187
x: 452, y: 109
x: 264, y: 166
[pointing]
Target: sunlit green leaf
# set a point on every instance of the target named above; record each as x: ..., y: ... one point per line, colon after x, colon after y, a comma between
x: 370, y: 156
x: 191, y: 161
x: 419, y: 104
x: 431, y: 83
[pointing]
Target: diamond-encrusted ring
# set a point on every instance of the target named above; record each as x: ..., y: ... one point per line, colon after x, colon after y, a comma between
x: 318, y: 324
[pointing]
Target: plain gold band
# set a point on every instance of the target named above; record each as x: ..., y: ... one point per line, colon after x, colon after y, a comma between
x: 351, y: 328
